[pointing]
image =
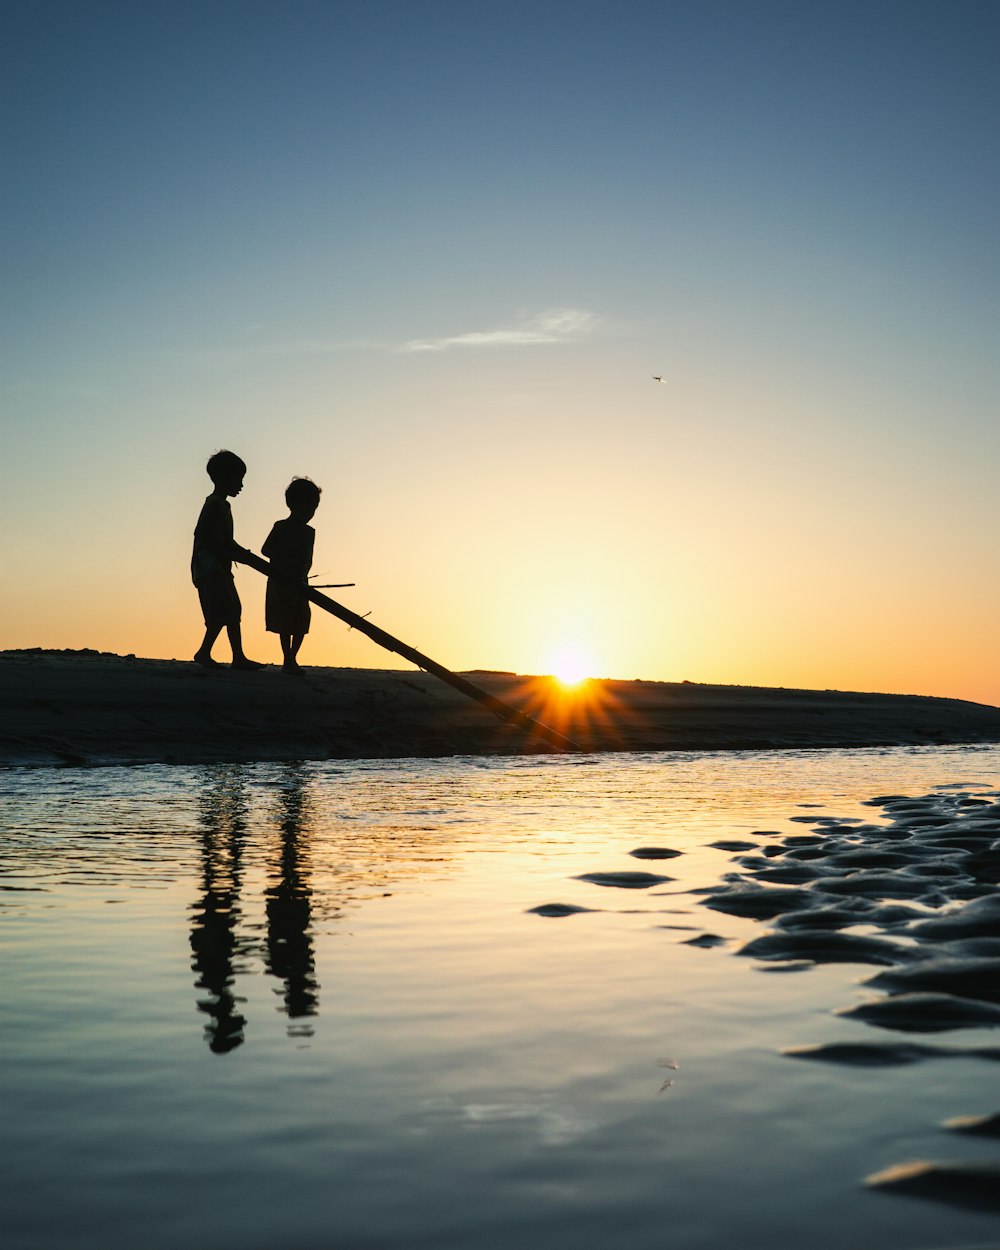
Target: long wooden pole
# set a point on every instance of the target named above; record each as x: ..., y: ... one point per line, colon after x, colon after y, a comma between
x: 512, y: 715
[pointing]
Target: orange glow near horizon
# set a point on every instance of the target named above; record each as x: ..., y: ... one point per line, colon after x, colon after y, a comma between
x: 571, y: 710
x: 718, y: 618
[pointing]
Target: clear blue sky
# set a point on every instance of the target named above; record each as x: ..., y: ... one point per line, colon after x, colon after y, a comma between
x: 430, y: 253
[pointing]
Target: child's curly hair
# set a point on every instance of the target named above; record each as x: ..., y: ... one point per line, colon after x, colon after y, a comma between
x: 302, y: 490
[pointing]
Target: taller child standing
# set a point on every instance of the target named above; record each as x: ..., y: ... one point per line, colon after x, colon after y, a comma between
x: 289, y: 547
x: 212, y: 561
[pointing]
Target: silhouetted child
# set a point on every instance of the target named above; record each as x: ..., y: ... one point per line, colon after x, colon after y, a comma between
x: 289, y: 547
x: 212, y: 561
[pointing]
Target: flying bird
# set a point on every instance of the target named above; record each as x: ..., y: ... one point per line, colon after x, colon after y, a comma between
x: 656, y: 378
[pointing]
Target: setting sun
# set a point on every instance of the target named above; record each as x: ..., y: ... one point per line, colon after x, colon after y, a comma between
x: 571, y: 665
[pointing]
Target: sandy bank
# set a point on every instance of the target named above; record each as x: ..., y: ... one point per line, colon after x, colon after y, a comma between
x: 88, y: 707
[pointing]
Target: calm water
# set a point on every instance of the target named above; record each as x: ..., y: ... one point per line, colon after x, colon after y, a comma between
x: 290, y: 1006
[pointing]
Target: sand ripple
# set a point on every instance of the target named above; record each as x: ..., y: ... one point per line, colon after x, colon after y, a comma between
x: 556, y: 910
x: 925, y: 1013
x: 975, y: 1125
x: 824, y: 946
x: 763, y: 902
x: 624, y: 880
x: 886, y: 1054
x: 967, y: 978
x: 865, y: 1054
x: 972, y: 1185
x: 927, y: 878
x: 923, y: 887
x: 978, y: 918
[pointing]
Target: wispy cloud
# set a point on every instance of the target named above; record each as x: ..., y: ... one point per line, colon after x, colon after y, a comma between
x: 558, y: 325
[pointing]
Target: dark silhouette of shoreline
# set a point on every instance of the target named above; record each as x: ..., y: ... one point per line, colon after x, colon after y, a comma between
x: 81, y: 708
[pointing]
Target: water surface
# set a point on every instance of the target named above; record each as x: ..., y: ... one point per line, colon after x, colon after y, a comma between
x: 291, y: 1005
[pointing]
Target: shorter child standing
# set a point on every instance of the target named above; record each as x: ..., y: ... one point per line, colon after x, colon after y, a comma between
x: 289, y: 548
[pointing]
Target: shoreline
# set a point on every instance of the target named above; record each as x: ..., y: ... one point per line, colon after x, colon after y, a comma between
x: 88, y: 708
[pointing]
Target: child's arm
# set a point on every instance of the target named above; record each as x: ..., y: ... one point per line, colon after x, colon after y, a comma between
x: 270, y: 548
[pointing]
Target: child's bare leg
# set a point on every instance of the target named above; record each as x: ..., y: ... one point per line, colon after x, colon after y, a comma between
x: 236, y: 642
x: 203, y: 655
x: 290, y: 644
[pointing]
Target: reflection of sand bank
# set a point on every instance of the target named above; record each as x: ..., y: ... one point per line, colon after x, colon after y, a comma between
x: 62, y: 707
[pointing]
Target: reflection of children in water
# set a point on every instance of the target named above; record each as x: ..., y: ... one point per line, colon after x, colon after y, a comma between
x: 289, y: 911
x: 215, y: 944
x: 219, y: 948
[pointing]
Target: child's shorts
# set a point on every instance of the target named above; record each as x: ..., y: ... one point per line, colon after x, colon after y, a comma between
x: 220, y: 604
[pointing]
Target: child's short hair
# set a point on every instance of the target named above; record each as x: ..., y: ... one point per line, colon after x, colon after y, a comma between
x: 302, y: 490
x: 223, y: 463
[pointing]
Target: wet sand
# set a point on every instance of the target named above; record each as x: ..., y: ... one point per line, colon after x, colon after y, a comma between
x: 89, y: 707
x: 916, y: 898
x: 912, y: 894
